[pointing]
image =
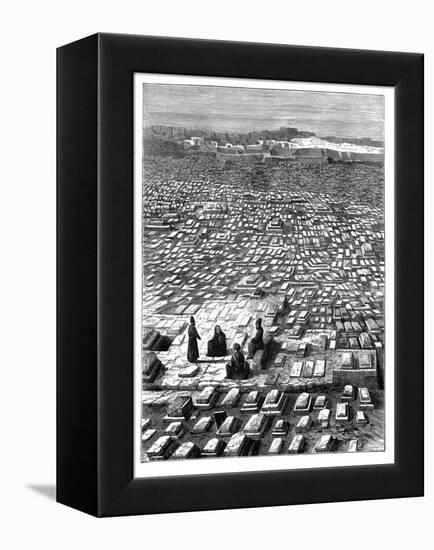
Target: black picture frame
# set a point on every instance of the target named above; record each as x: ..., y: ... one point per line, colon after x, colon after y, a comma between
x: 95, y: 274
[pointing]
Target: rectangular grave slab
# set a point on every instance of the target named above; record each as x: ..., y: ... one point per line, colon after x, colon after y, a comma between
x: 231, y: 398
x: 213, y: 448
x: 161, y: 448
x: 342, y: 412
x: 272, y: 379
x: 365, y: 401
x: 180, y: 409
x: 365, y: 341
x: 175, y: 429
x: 284, y: 382
x: 206, y: 399
x: 290, y: 346
x: 324, y: 418
x: 280, y: 360
x: 238, y: 445
x: 319, y: 369
x: 276, y: 446
x: 252, y: 402
x: 320, y: 402
x: 348, y: 394
x: 219, y: 417
x: 361, y: 417
x: 256, y: 425
x: 189, y: 372
x: 186, y: 450
x: 303, y: 424
x: 275, y: 403
x: 365, y: 360
x: 354, y: 343
x: 303, y: 403
x: 272, y: 398
x: 281, y: 428
x: 202, y: 425
x: 149, y: 360
x: 252, y: 398
x: 296, y: 369
x: 353, y: 446
x: 308, y: 369
x: 325, y: 444
x: 149, y: 338
x: 297, y: 445
x: 347, y: 361
x: 151, y: 374
x: 147, y: 434
x: 145, y: 423
x: 229, y: 426
x: 302, y: 349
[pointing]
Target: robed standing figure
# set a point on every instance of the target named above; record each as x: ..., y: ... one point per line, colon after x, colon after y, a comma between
x: 257, y: 342
x: 193, y: 337
x: 217, y: 344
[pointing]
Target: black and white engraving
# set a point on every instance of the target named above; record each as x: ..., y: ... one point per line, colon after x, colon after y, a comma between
x: 263, y: 268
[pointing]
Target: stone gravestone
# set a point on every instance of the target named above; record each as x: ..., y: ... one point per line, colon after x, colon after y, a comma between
x: 296, y: 369
x: 202, y: 425
x: 207, y: 398
x: 229, y: 426
x: 189, y: 372
x: 361, y: 417
x: 297, y: 445
x: 303, y: 403
x: 145, y: 423
x: 348, y: 393
x: 180, y: 409
x: 175, y: 430
x: 275, y: 403
x: 161, y: 448
x: 365, y: 399
x: 308, y: 369
x: 353, y: 446
x: 147, y: 434
x: 325, y: 444
x: 324, y: 418
x: 320, y: 402
x: 256, y: 426
x: 213, y: 448
x: 319, y: 369
x: 251, y: 404
x: 238, y: 445
x: 186, y: 450
x: 342, y: 412
x: 231, y: 398
x: 280, y: 428
x: 303, y: 424
x: 271, y: 379
x: 275, y: 446
x: 280, y: 360
x: 220, y: 417
x: 151, y: 366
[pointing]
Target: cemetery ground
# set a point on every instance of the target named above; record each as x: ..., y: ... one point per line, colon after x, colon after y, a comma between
x: 369, y: 436
x: 299, y: 245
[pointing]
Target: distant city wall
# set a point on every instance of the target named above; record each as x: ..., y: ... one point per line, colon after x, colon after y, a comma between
x: 175, y: 141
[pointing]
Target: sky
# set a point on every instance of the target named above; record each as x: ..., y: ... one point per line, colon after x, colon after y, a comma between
x: 230, y: 109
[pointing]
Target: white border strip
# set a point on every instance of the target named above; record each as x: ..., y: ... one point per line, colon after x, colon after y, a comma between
x: 281, y: 462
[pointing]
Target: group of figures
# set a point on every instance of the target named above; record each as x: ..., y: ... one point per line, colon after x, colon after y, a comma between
x: 238, y: 367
